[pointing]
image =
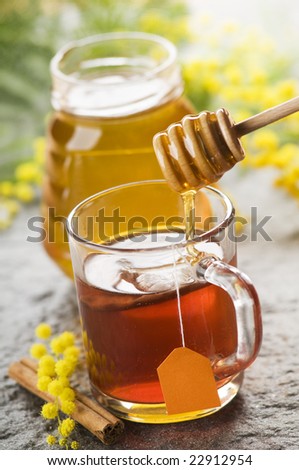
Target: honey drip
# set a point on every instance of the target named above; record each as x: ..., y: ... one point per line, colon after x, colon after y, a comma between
x: 195, y: 152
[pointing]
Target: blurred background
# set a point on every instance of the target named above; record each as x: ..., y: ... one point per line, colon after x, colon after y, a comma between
x: 237, y: 55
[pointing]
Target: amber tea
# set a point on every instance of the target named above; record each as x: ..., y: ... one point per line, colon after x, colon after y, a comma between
x: 131, y: 323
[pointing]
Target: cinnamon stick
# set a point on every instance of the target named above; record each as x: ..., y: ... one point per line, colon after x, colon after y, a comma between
x: 100, y: 422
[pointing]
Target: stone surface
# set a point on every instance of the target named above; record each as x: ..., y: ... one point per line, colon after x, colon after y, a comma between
x: 265, y: 413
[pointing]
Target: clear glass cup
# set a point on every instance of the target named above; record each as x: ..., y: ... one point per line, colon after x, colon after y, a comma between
x: 110, y: 94
x: 143, y: 290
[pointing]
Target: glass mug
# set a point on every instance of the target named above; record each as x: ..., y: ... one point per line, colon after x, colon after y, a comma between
x: 110, y: 94
x: 132, y: 268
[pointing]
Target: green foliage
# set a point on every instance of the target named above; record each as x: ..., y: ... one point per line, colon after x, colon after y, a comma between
x: 24, y: 81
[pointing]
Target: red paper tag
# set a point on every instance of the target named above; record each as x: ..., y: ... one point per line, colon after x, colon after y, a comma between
x: 187, y: 382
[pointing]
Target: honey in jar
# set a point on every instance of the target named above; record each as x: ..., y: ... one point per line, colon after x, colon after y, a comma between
x: 111, y: 94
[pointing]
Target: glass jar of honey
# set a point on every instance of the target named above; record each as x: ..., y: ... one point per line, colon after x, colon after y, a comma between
x: 110, y: 94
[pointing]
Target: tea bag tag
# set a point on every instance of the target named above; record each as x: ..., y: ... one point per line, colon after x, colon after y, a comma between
x: 187, y: 382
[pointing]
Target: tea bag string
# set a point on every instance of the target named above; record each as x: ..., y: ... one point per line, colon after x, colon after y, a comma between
x: 182, y: 333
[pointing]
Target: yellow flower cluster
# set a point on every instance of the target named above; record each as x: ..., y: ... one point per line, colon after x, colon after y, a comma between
x: 23, y: 188
x: 266, y: 149
x: 152, y: 21
x: 243, y: 72
x: 57, y: 358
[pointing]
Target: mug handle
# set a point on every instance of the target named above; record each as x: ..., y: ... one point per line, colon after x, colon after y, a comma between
x: 247, y: 312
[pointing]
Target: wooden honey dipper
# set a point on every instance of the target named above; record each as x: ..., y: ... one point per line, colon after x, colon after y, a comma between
x: 199, y: 149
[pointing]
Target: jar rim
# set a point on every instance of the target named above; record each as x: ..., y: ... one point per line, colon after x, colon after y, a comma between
x: 78, y: 43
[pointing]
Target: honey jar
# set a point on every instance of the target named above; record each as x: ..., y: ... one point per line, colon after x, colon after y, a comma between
x: 111, y: 93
